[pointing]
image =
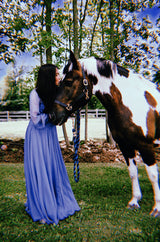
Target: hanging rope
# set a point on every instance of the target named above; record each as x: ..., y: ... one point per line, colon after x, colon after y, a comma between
x: 76, y: 146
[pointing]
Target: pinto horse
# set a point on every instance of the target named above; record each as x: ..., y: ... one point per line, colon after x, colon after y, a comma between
x: 133, y: 106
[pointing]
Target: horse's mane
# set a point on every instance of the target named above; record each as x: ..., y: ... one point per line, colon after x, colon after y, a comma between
x: 122, y: 71
x: 105, y: 68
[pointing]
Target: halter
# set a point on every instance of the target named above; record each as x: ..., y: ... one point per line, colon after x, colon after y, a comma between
x: 83, y: 96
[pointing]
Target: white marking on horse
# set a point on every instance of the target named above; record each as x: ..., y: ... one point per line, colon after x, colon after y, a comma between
x: 136, y: 191
x: 152, y: 172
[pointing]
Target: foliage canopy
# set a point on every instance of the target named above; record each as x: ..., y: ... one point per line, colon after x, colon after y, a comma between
x: 109, y: 29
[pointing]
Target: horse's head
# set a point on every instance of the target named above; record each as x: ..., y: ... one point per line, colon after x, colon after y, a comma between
x: 74, y: 92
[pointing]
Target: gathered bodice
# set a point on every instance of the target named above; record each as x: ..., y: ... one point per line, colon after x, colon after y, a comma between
x: 38, y: 117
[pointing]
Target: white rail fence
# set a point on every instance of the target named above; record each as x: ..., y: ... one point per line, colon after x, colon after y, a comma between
x: 25, y: 115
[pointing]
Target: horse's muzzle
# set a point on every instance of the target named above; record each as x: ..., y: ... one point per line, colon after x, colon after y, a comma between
x: 58, y: 119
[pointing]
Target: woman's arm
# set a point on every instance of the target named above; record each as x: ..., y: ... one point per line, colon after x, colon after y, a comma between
x: 39, y: 119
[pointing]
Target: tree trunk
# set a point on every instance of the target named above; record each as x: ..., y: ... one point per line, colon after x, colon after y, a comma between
x: 108, y: 133
x: 111, y: 31
x: 75, y: 28
x: 94, y: 27
x: 86, y: 123
x: 40, y: 46
x: 109, y: 137
x: 69, y: 35
x: 65, y: 135
x: 81, y: 21
x: 48, y: 4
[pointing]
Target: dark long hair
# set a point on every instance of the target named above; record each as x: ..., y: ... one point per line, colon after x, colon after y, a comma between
x: 45, y: 86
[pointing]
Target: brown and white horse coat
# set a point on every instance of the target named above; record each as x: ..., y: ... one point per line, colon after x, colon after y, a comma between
x: 133, y: 106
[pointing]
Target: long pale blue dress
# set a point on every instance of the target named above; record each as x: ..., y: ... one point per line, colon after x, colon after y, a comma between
x: 49, y: 193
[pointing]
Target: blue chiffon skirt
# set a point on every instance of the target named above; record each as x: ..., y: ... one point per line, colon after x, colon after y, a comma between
x: 49, y: 193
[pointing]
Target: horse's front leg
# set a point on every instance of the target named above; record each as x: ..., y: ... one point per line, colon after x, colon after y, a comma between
x: 152, y: 172
x: 136, y: 191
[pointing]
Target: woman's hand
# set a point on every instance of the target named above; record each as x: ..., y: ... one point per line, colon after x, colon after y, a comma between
x: 51, y: 117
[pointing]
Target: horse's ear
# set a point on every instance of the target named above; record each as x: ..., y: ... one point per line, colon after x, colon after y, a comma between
x: 74, y: 61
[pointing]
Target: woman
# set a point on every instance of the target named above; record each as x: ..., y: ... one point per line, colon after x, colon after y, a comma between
x: 49, y: 194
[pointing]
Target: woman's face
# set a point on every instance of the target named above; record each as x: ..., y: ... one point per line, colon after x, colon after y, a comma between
x: 57, y: 77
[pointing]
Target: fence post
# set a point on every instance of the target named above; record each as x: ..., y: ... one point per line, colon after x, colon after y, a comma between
x: 7, y: 115
x: 96, y: 113
x: 27, y: 115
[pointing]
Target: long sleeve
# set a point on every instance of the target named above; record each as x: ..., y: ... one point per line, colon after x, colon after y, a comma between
x: 38, y: 118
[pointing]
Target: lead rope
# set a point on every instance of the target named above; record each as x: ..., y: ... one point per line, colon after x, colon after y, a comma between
x: 76, y: 146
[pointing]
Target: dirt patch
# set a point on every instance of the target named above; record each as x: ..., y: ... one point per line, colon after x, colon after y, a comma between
x: 93, y: 152
x: 11, y: 151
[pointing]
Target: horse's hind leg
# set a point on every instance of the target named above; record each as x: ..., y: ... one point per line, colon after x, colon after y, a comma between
x: 152, y: 172
x: 147, y: 154
x: 136, y: 191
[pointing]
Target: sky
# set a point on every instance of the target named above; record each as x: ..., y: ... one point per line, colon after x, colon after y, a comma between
x: 152, y: 12
x: 29, y: 62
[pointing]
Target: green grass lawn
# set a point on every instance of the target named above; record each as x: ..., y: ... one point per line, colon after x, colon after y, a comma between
x: 102, y: 193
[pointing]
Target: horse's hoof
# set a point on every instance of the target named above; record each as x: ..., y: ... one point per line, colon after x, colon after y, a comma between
x: 155, y: 213
x: 133, y: 206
